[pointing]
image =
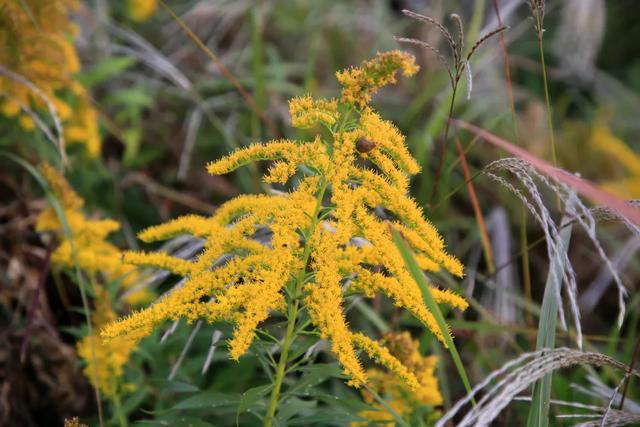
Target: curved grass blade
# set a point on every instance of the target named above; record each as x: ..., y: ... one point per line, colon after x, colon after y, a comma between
x: 431, y: 304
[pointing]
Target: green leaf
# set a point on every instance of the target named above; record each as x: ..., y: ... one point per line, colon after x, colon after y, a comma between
x: 431, y: 304
x: 185, y: 421
x: 102, y: 71
x: 539, y: 411
x: 294, y: 406
x: 397, y: 417
x: 251, y: 396
x: 177, y: 387
x: 313, y: 376
x: 131, y: 98
x: 208, y: 400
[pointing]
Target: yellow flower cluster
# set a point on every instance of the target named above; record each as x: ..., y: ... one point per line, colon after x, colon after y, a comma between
x: 140, y: 10
x: 316, y: 250
x: 603, y: 139
x: 37, y: 44
x: 404, y: 400
x: 306, y: 111
x: 359, y: 83
x: 104, y: 359
x: 93, y: 253
x: 73, y: 422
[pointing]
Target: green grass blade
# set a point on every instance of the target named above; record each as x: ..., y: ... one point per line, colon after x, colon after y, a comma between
x: 431, y: 304
x: 539, y: 411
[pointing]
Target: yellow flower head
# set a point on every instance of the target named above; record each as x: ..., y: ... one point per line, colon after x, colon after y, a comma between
x: 326, y: 239
x: 37, y: 41
x: 402, y: 399
x: 140, y: 10
x: 93, y: 253
x: 359, y: 83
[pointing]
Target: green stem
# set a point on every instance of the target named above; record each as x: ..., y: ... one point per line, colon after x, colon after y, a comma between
x: 117, y: 404
x: 292, y: 315
x: 526, y: 271
x: 436, y: 180
x: 547, y: 101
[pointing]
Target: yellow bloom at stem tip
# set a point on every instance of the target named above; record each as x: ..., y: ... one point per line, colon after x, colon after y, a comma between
x: 359, y: 83
x: 326, y: 237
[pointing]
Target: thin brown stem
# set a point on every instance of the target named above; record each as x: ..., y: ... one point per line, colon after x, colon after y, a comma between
x: 484, y: 236
x: 632, y: 365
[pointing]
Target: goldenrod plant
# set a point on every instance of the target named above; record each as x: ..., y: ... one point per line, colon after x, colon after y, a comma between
x: 38, y: 68
x: 330, y: 235
x: 87, y: 247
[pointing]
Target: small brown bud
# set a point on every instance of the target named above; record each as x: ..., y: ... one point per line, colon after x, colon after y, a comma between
x: 364, y: 145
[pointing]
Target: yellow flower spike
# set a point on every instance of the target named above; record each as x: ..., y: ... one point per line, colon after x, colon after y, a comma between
x: 274, y: 150
x: 106, y: 368
x: 359, y: 83
x: 382, y: 356
x: 389, y: 139
x: 306, y: 111
x: 280, y: 172
x: 60, y: 187
x: 389, y: 169
x: 403, y: 297
x: 447, y: 296
x: 160, y: 261
x: 38, y: 46
x: 323, y: 302
x: 197, y: 225
x: 93, y: 253
x: 325, y: 238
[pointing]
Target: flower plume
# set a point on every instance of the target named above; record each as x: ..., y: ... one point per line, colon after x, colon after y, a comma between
x: 312, y: 257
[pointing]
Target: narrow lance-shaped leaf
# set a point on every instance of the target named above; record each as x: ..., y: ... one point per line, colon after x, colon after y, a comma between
x: 539, y: 411
x: 431, y: 304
